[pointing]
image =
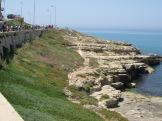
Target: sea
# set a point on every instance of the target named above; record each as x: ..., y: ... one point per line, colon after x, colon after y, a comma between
x: 149, y: 42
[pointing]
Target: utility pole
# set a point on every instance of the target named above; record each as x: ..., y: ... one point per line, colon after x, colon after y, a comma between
x: 21, y: 8
x: 1, y: 16
x: 34, y: 13
x: 55, y: 16
x: 51, y: 8
x: 21, y: 12
x: 4, y: 2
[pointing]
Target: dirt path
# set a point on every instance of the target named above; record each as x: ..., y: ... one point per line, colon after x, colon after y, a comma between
x: 7, y: 112
x: 73, y: 77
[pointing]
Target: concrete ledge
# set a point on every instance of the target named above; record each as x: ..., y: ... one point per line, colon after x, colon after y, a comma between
x: 7, y: 112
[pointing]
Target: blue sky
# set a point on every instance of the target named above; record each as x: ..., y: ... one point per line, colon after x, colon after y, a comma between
x: 101, y: 14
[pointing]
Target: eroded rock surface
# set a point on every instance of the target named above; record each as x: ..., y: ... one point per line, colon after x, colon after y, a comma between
x: 118, y: 63
x: 137, y: 107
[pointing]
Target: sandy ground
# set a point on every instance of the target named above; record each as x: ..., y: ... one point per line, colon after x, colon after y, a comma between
x: 137, y: 107
x: 7, y: 112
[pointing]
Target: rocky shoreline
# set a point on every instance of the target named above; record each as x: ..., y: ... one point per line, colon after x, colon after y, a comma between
x: 109, y: 68
x: 137, y: 107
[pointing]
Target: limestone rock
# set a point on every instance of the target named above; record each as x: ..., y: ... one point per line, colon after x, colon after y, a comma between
x: 118, y: 64
x: 102, y: 80
x: 124, y: 78
x: 67, y: 92
x: 118, y: 85
x: 150, y: 70
x: 107, y: 90
x: 131, y: 85
x: 109, y: 103
x: 96, y: 88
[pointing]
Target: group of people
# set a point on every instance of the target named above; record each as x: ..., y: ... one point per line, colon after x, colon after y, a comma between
x: 7, y: 28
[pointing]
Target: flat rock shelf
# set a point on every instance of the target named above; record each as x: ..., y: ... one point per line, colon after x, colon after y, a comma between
x: 109, y: 68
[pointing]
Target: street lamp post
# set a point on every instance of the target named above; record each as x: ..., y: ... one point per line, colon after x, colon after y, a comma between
x: 51, y: 13
x: 1, y: 16
x: 0, y: 7
x: 55, y: 17
x: 21, y: 12
x: 4, y: 2
x: 34, y: 13
x: 21, y: 8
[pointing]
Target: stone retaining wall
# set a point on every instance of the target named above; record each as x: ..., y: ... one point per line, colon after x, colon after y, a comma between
x: 10, y: 41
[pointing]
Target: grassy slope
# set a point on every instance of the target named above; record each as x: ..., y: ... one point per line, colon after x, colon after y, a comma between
x: 33, y: 82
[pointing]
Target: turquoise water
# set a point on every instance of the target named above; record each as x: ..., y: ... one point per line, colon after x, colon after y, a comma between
x: 148, y: 43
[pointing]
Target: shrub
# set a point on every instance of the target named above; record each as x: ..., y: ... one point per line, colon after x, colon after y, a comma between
x: 89, y: 101
x: 104, y: 97
x: 111, y: 115
x: 87, y: 87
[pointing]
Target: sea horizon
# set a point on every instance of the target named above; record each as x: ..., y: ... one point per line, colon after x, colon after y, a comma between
x: 128, y: 31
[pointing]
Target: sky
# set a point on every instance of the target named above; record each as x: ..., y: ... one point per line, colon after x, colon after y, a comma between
x: 92, y: 14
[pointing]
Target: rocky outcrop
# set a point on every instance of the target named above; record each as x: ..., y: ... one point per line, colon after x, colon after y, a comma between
x: 118, y: 64
x: 108, y: 97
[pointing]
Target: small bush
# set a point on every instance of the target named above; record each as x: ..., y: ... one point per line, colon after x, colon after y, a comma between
x: 104, y: 97
x: 76, y: 94
x: 111, y: 115
x: 89, y: 101
x: 87, y: 87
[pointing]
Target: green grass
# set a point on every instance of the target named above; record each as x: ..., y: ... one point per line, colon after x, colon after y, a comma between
x: 82, y: 96
x: 111, y: 115
x: 88, y: 86
x: 89, y: 101
x: 34, y: 80
x: 104, y: 97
